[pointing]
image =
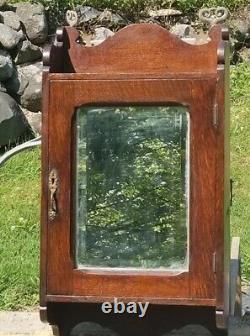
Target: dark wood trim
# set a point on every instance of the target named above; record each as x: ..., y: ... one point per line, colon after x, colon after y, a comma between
x: 151, y: 300
x: 80, y: 76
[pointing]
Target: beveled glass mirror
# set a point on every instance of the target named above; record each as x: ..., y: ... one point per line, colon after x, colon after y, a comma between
x: 132, y: 187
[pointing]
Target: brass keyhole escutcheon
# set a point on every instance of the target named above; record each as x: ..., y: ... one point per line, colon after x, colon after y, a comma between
x: 53, y: 188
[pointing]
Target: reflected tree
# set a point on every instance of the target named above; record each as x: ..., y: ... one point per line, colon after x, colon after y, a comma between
x: 132, y: 206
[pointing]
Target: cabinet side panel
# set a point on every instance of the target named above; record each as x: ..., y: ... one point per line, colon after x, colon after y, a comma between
x: 222, y: 223
x: 44, y: 186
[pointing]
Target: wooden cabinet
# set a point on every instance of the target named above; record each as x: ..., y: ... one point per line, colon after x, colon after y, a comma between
x: 135, y: 186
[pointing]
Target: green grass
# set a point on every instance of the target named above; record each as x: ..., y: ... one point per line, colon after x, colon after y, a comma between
x: 240, y: 160
x: 20, y: 204
x: 19, y: 230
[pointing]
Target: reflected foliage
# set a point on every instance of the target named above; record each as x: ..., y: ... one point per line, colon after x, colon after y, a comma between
x: 132, y: 187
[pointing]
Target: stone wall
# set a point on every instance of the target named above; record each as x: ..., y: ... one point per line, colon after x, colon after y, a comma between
x: 24, y: 30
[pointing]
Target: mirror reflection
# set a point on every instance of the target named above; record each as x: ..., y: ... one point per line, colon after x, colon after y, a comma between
x: 132, y: 183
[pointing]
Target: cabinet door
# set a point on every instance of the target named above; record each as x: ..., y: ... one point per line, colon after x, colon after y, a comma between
x: 132, y: 214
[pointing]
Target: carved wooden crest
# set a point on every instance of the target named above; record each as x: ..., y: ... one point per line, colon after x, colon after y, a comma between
x: 139, y: 49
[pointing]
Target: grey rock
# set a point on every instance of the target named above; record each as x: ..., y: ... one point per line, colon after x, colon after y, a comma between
x: 27, y: 52
x: 245, y: 54
x: 245, y: 288
x: 11, y: 19
x: 32, y: 97
x: 2, y: 87
x: 185, y: 20
x: 110, y: 19
x: 164, y: 12
x: 239, y: 326
x: 35, y: 121
x: 247, y: 11
x: 9, y: 38
x: 6, y: 65
x: 182, y: 30
x: 101, y: 34
x: 21, y: 34
x: 12, y: 121
x: 3, y: 3
x: 34, y: 19
x: 241, y: 28
x: 86, y: 14
x: 16, y: 84
x: 235, y: 44
x: 32, y: 71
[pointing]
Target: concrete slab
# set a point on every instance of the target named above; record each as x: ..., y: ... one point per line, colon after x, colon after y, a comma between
x: 23, y: 323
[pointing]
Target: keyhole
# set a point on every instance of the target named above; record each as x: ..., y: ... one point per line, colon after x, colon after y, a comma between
x: 53, y: 179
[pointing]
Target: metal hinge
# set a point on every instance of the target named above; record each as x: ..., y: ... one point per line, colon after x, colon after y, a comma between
x: 231, y: 191
x: 214, y: 262
x: 215, y: 115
